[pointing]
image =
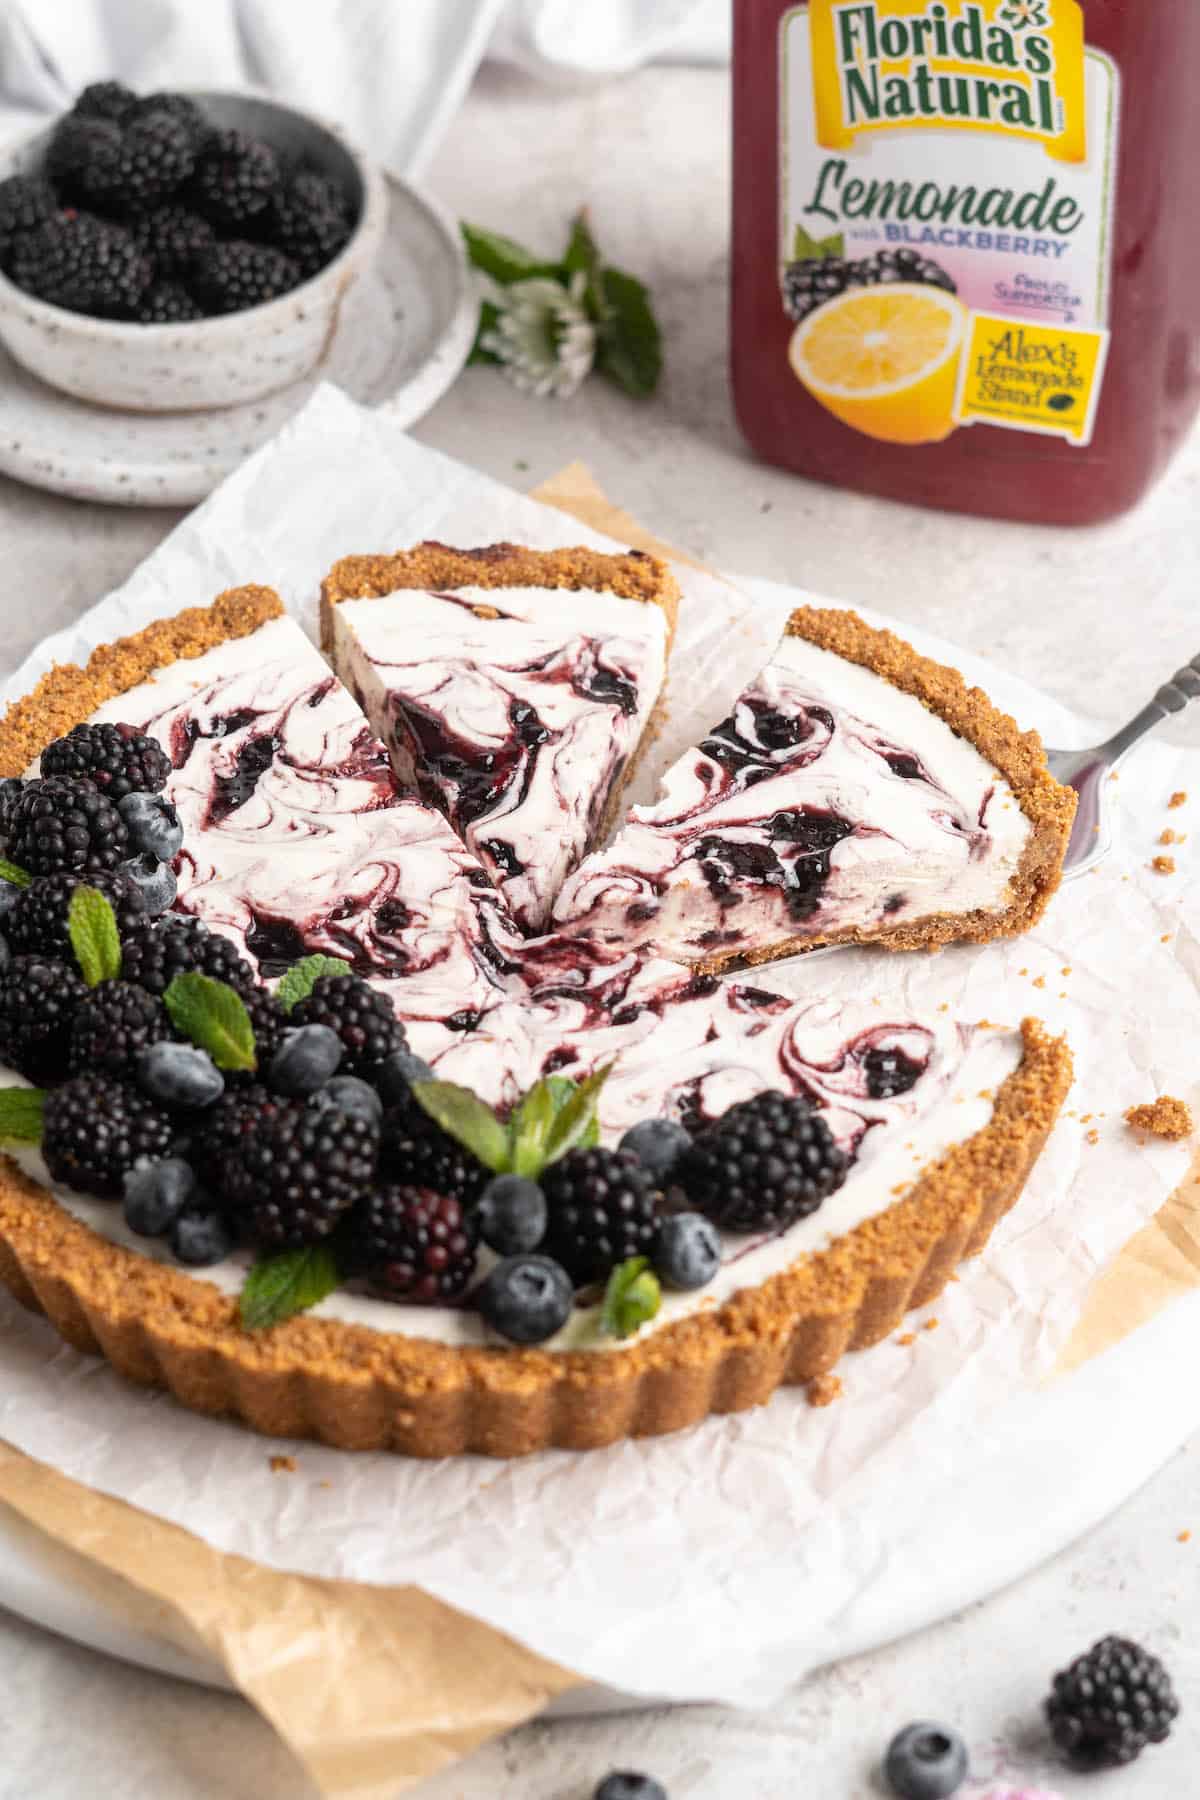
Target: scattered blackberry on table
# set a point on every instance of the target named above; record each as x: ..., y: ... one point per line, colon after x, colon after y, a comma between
x: 201, y: 1236
x: 808, y: 284
x: 153, y: 824
x: 309, y: 221
x: 82, y: 156
x: 37, y: 923
x: 687, y: 1253
x: 25, y: 201
x: 39, y: 998
x: 173, y: 237
x: 412, y: 1244
x: 292, y: 1175
x: 926, y: 1762
x: 156, y: 1193
x: 180, y: 108
x: 105, y: 100
x: 167, y: 303
x: 113, y: 1026
x: 526, y: 1298
x: 625, y: 1784
x: 306, y: 1058
x: 236, y: 177
x: 181, y: 1076
x: 658, y: 1145
x: 361, y: 1016
x: 419, y: 1153
x: 600, y: 1206
x: 768, y: 1162
x: 63, y: 825
x: 1110, y: 1704
x: 154, y: 951
x: 118, y: 759
x: 152, y: 881
x: 231, y: 276
x: 512, y: 1215
x: 83, y: 264
x: 95, y: 1129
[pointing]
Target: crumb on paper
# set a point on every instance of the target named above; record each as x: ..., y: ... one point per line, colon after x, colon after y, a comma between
x: 931, y: 1324
x: 484, y: 611
x: 910, y: 1337
x: 1067, y: 970
x: 1184, y: 1537
x: 985, y: 1094
x: 1168, y: 837
x: 324, y: 1484
x: 1165, y: 1117
x: 283, y: 1465
x: 1179, y: 798
x: 1086, y: 1118
x: 1023, y: 971
x: 1163, y: 865
x: 1165, y: 938
x: 1039, y: 981
x: 1092, y: 1136
x: 986, y: 1025
x: 1114, y: 776
x: 824, y: 1390
x: 945, y: 1006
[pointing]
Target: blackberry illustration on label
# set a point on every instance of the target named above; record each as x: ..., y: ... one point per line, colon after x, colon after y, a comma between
x: 947, y: 170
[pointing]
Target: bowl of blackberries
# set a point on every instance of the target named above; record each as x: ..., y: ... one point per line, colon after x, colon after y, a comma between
x: 170, y: 251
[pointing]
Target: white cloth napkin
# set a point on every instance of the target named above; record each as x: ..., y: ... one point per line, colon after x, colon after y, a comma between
x: 393, y: 72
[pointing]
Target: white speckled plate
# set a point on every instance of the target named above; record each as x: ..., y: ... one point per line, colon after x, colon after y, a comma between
x: 405, y: 333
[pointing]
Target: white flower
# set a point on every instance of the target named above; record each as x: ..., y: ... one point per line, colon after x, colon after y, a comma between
x: 543, y: 336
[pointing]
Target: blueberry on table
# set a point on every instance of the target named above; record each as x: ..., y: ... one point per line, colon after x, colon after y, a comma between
x: 926, y: 1762
x: 624, y: 1784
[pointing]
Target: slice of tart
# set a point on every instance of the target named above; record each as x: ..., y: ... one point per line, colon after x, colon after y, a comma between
x: 515, y: 689
x: 858, y: 792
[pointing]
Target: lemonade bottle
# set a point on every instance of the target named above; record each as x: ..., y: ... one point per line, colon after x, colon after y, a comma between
x: 966, y: 266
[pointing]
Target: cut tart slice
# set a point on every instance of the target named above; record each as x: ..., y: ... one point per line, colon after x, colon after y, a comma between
x: 858, y: 792
x: 515, y: 688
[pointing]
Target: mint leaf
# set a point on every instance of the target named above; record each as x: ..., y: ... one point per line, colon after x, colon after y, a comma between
x: 279, y: 1287
x: 489, y: 312
x: 582, y: 254
x: 9, y: 872
x: 575, y: 1122
x: 21, y: 1115
x: 469, y: 1122
x: 528, y: 1128
x: 811, y: 249
x: 629, y: 343
x: 562, y: 1087
x: 502, y: 257
x: 631, y: 1297
x: 213, y: 1016
x: 299, y: 981
x: 92, y: 929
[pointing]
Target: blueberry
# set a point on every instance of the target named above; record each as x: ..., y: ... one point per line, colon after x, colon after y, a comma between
x: 527, y: 1298
x: 200, y: 1237
x: 688, y: 1252
x: 512, y: 1215
x: 926, y: 1762
x: 623, y: 1784
x: 153, y: 881
x: 397, y: 1071
x: 179, y: 1075
x: 352, y: 1097
x: 305, y: 1060
x: 154, y: 827
x: 156, y: 1193
x: 10, y: 893
x: 658, y: 1144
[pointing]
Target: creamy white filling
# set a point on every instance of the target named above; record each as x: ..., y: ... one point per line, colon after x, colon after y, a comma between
x: 948, y: 839
x: 528, y: 696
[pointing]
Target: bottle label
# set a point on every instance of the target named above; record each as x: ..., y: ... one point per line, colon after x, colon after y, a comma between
x: 947, y: 174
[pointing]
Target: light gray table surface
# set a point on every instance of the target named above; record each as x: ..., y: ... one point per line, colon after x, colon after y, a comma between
x: 1098, y: 616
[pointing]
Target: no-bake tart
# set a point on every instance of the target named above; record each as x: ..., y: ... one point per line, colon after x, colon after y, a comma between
x: 311, y: 1133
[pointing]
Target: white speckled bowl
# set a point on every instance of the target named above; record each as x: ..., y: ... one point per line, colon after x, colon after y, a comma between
x: 210, y: 362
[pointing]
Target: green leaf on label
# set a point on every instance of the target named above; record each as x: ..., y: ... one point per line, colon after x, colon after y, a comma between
x: 11, y: 873
x: 469, y: 1122
x: 632, y: 1296
x: 489, y: 312
x: 575, y: 1122
x: 92, y: 929
x: 528, y: 1128
x: 279, y: 1287
x: 582, y: 254
x: 811, y: 249
x: 629, y: 343
x: 21, y: 1115
x: 501, y: 257
x: 302, y: 977
x: 213, y: 1016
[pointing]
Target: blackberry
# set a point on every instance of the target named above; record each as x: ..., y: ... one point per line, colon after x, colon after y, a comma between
x: 808, y: 284
x: 232, y: 276
x: 63, y: 824
x: 180, y: 108
x: 11, y: 789
x: 113, y: 1026
x: 269, y: 1022
x: 601, y: 1210
x: 119, y: 759
x: 173, y: 237
x: 294, y: 1173
x: 239, y: 1114
x: 156, y: 156
x: 766, y: 1163
x: 105, y: 100
x: 235, y: 179
x: 1111, y: 1703
x: 888, y: 266
x: 25, y: 201
x: 39, y: 999
x: 412, y: 1244
x: 154, y: 951
x: 83, y: 264
x: 362, y: 1017
x: 167, y: 303
x: 82, y: 156
x: 419, y: 1153
x: 95, y: 1129
x: 37, y: 923
x: 309, y: 221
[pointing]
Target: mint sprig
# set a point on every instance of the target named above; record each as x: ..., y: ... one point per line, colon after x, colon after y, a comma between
x: 12, y: 874
x: 279, y: 1287
x: 632, y: 1297
x: 299, y: 981
x: 214, y: 1017
x: 555, y: 1116
x: 21, y: 1115
x: 95, y: 939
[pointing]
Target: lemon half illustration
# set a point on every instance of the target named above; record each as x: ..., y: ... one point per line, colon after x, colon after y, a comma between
x: 885, y: 360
